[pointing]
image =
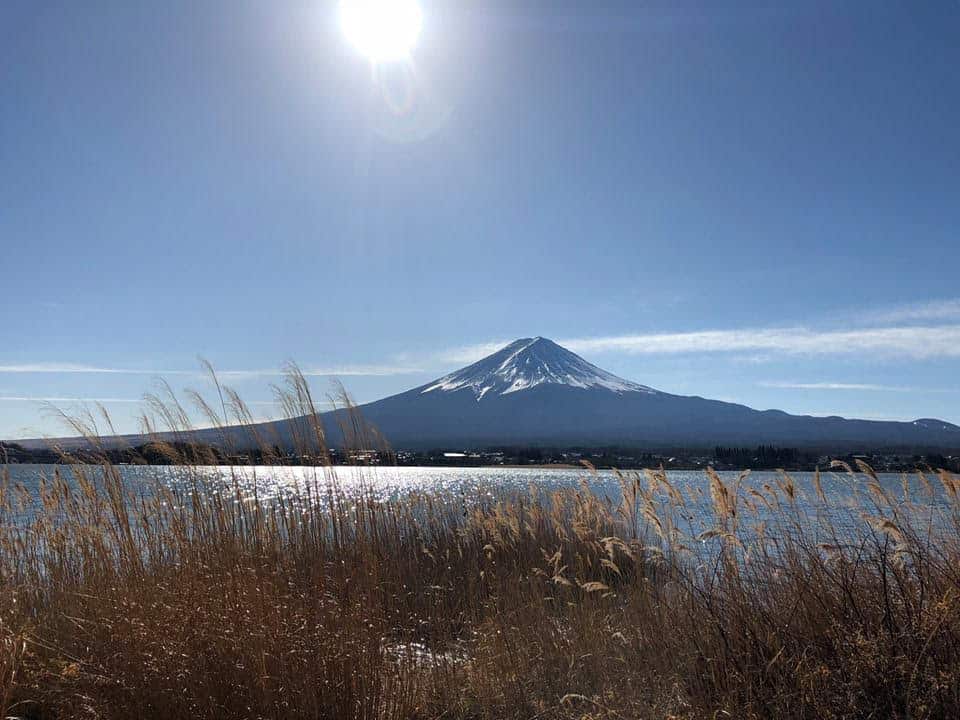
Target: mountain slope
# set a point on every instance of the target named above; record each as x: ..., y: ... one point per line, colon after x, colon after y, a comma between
x: 535, y: 392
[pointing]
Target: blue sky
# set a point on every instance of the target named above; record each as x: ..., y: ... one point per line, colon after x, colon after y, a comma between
x: 749, y: 201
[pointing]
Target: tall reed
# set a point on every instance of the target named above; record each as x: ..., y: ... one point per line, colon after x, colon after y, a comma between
x: 214, y: 599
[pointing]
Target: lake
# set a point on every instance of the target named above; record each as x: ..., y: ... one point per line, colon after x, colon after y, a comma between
x: 847, y: 496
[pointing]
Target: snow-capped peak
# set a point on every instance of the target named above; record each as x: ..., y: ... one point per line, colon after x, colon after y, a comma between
x: 529, y: 362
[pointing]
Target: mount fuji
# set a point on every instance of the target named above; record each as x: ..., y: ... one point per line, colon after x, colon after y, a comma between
x: 535, y: 392
x: 527, y: 363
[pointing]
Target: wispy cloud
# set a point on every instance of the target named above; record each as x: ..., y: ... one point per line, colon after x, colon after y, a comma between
x: 361, y: 370
x: 55, y: 400
x: 343, y: 371
x: 42, y: 399
x: 755, y: 345
x: 833, y: 386
x: 871, y: 387
x: 947, y: 309
x: 917, y: 342
x: 465, y: 354
x: 76, y: 368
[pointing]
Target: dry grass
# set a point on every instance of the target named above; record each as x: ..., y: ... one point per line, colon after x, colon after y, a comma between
x: 123, y: 602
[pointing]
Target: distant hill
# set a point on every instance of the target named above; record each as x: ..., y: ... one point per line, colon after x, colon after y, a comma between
x: 535, y: 392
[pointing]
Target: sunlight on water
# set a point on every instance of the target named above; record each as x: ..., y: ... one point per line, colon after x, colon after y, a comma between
x: 463, y: 488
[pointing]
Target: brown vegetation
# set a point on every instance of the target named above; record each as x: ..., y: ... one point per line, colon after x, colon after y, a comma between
x: 136, y: 602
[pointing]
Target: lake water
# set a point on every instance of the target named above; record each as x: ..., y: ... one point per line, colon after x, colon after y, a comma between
x: 463, y: 487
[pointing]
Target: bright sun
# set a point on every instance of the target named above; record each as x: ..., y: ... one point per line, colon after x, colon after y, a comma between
x: 383, y: 30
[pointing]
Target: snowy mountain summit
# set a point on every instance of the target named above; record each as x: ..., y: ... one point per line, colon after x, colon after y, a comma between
x: 527, y: 363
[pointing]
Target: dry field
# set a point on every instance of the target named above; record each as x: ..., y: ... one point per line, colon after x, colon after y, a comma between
x: 123, y: 602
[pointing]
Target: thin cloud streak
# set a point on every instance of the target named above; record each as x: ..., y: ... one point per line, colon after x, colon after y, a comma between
x: 914, y: 342
x: 357, y: 371
x: 754, y: 344
x: 347, y: 371
x: 75, y: 368
x: 948, y: 309
x: 853, y: 386
x: 32, y: 398
x: 467, y: 354
x: 917, y: 342
x: 834, y: 386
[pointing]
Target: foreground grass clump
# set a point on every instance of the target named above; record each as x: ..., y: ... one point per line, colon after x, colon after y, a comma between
x: 124, y: 603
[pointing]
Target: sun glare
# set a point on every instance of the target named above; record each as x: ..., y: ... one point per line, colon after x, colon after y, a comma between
x: 383, y: 30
